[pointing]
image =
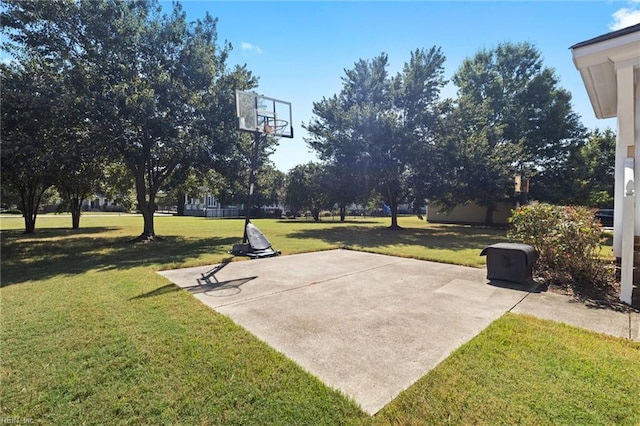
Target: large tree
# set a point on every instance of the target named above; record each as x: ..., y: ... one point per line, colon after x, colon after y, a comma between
x: 585, y: 177
x: 480, y: 163
x: 345, y: 186
x: 30, y: 132
x: 516, y: 94
x: 307, y: 188
x: 162, y: 95
x: 379, y: 125
x: 81, y: 158
x: 270, y: 186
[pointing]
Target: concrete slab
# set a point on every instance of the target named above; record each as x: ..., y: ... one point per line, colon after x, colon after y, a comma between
x: 366, y: 324
x: 371, y: 325
x: 567, y: 310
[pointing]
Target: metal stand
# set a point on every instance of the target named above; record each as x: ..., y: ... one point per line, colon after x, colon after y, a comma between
x: 254, y: 244
x: 257, y: 137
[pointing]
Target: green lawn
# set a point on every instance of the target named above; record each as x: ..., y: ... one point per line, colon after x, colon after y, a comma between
x: 91, y: 334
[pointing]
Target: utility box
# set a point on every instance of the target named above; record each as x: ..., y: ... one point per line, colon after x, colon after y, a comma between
x: 510, y: 262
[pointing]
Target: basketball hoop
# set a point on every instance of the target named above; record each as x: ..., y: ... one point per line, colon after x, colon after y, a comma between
x: 262, y: 115
x: 258, y: 115
x: 274, y: 126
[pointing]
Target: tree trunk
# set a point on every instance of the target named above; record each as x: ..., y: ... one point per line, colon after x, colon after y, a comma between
x: 148, y: 233
x: 343, y: 213
x: 29, y: 223
x: 75, y: 205
x: 488, y: 218
x: 147, y: 208
x: 394, y: 214
x: 180, y: 204
x: 29, y: 212
x: 30, y: 197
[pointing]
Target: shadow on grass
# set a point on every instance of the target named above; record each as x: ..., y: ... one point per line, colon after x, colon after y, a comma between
x: 44, y: 233
x: 165, y: 289
x: 445, y: 237
x: 326, y: 221
x: 53, y: 252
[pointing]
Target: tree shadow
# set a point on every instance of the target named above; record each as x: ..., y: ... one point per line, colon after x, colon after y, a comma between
x: 43, y: 255
x: 44, y: 233
x: 438, y: 237
x: 326, y: 221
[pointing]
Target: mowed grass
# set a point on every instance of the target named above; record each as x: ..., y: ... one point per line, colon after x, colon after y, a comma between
x: 90, y: 334
x: 523, y: 370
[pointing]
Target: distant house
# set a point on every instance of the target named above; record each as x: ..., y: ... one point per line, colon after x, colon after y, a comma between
x: 207, y: 205
x: 99, y: 202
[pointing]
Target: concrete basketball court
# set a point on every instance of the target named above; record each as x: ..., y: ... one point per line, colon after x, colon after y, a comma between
x: 371, y: 325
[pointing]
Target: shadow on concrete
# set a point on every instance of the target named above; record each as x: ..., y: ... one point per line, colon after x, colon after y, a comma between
x: 218, y: 288
x: 529, y: 287
x: 209, y: 284
x: 212, y: 272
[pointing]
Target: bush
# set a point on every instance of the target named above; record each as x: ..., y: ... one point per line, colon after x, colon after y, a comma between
x: 568, y: 243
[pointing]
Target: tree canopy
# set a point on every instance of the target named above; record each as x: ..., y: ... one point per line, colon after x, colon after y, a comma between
x: 378, y: 125
x: 510, y: 117
x: 30, y: 132
x: 307, y: 188
x: 160, y: 92
x: 97, y: 85
x: 586, y: 177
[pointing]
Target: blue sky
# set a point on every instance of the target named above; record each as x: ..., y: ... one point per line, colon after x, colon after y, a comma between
x: 299, y: 49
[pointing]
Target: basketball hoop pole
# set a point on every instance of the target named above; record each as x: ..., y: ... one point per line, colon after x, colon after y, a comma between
x: 257, y: 136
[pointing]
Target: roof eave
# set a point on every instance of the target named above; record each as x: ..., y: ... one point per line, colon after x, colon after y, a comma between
x: 596, y: 60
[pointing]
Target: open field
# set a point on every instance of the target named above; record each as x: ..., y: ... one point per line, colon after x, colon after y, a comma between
x: 91, y: 334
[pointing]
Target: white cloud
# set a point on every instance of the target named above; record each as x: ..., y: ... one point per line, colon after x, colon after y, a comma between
x: 625, y: 17
x: 250, y: 47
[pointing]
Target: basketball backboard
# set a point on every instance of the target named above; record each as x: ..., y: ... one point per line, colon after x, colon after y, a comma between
x: 260, y: 114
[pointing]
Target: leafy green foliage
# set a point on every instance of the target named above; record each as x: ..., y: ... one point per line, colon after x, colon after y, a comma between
x: 30, y: 132
x: 479, y: 160
x: 156, y: 87
x: 567, y: 240
x: 523, y: 98
x: 587, y: 175
x: 510, y: 117
x: 375, y: 130
x: 307, y: 189
x: 270, y: 186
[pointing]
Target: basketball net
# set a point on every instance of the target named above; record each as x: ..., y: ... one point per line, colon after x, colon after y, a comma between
x: 273, y: 125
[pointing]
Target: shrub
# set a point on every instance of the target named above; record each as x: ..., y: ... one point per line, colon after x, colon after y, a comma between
x: 567, y: 239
